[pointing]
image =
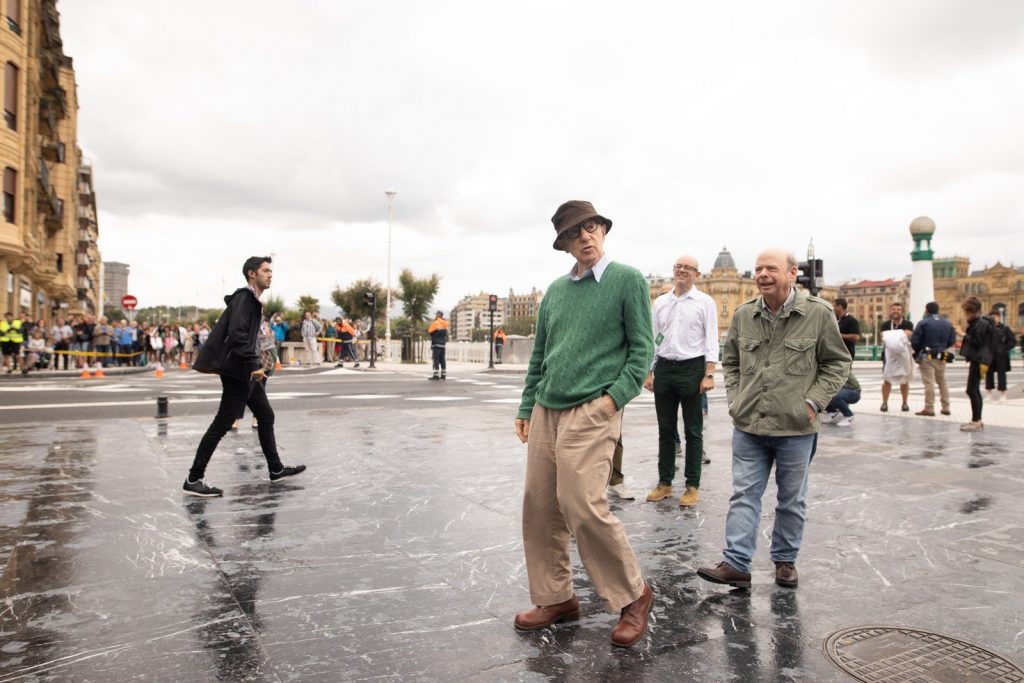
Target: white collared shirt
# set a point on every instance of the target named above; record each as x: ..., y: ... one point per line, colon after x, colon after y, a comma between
x: 597, y: 270
x: 688, y: 325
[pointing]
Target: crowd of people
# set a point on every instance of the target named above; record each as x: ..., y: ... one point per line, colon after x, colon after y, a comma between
x: 83, y: 341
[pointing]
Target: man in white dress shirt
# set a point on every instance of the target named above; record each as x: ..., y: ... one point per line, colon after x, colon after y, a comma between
x: 686, y: 352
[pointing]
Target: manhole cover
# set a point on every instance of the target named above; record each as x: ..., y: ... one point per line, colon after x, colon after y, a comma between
x: 882, y: 653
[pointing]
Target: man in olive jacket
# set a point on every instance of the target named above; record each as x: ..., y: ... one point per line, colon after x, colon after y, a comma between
x: 232, y: 351
x: 784, y: 360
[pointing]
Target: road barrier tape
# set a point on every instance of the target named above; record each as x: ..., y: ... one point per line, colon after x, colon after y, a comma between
x: 108, y: 354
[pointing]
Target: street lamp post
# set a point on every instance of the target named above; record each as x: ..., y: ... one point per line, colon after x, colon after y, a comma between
x: 390, y: 192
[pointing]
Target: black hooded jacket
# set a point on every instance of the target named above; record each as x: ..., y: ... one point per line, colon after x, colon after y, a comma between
x: 231, y: 347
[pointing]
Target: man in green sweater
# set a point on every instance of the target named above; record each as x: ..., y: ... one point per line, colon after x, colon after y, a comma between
x: 590, y: 357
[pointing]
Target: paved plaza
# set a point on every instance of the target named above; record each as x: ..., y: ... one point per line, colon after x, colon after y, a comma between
x: 398, y: 554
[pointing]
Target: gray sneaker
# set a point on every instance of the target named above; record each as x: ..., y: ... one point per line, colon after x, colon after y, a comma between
x: 201, y: 489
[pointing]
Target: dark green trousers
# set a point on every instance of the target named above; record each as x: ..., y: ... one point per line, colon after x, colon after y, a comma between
x: 677, y: 383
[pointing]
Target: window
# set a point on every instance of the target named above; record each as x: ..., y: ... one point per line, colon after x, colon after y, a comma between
x: 14, y: 15
x: 11, y: 96
x: 10, y: 185
x: 60, y: 263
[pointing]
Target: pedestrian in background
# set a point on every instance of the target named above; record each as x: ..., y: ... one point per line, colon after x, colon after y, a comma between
x: 499, y: 344
x: 838, y: 409
x: 310, y: 331
x: 896, y: 321
x: 1003, y: 342
x: 233, y: 352
x: 977, y: 350
x: 932, y: 340
x: 280, y: 329
x: 61, y: 334
x: 849, y: 328
x: 784, y: 360
x: 438, y: 332
x: 123, y: 337
x: 591, y: 353
x: 102, y: 338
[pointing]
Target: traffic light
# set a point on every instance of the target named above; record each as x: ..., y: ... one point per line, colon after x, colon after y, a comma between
x: 370, y: 298
x: 811, y: 275
x: 492, y: 302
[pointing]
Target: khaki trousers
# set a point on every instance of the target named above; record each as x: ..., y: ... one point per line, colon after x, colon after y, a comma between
x: 934, y: 370
x: 568, y: 462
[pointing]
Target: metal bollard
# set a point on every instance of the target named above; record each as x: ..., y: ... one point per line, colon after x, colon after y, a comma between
x: 161, y: 407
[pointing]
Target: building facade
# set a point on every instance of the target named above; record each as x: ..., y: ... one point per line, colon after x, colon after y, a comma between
x: 48, y: 263
x: 472, y: 314
x: 523, y: 305
x: 115, y: 284
x: 997, y: 287
x: 869, y: 301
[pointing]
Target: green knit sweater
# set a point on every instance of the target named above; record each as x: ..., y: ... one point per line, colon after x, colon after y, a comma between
x: 592, y: 338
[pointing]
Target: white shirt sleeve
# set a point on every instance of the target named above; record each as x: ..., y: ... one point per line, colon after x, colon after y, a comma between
x: 711, y: 349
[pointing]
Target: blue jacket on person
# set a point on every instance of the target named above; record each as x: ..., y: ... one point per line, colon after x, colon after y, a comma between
x: 280, y: 329
x: 123, y: 336
x: 935, y: 333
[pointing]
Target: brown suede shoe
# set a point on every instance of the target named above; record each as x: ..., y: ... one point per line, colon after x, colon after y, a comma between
x: 659, y: 492
x: 925, y: 413
x: 633, y: 620
x: 543, y: 616
x: 725, y: 573
x: 689, y: 498
x: 785, y: 574
x: 945, y: 411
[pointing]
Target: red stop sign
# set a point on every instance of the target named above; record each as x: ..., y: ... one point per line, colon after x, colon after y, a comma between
x: 129, y: 301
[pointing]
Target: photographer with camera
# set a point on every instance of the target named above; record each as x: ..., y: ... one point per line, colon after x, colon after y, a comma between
x: 933, y: 337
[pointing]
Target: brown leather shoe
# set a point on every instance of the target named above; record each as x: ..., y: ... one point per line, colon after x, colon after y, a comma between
x: 945, y: 411
x: 785, y: 574
x: 925, y: 413
x: 542, y: 616
x: 633, y: 620
x: 725, y: 573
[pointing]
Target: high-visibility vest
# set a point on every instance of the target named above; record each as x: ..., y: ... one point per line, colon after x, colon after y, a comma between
x: 11, y: 331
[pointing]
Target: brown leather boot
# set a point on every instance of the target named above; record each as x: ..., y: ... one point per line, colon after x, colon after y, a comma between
x: 633, y: 620
x: 542, y: 616
x: 785, y: 574
x: 725, y: 573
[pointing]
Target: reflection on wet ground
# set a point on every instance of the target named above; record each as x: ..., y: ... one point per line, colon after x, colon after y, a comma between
x: 398, y: 554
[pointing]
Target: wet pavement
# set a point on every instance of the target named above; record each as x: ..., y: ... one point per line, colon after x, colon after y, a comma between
x: 397, y: 556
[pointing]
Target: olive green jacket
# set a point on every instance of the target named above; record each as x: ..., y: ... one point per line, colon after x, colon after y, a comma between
x: 770, y: 377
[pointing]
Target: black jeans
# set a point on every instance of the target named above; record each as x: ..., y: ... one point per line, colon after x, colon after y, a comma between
x: 675, y: 383
x: 439, y: 359
x: 237, y: 394
x: 990, y: 379
x: 974, y: 390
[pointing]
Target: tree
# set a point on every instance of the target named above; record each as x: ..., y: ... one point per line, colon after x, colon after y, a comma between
x: 274, y: 305
x: 212, y: 315
x: 417, y: 294
x: 308, y: 304
x: 524, y: 325
x: 352, y: 300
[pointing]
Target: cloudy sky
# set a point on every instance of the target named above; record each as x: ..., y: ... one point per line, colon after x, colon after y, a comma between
x: 224, y: 129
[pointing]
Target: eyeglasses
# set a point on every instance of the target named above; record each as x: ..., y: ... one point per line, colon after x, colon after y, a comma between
x: 574, y: 233
x: 676, y: 267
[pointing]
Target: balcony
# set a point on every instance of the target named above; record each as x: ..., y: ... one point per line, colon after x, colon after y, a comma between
x: 86, y: 213
x: 83, y: 260
x: 47, y: 119
x: 52, y: 148
x: 84, y: 237
x: 54, y: 220
x: 84, y: 283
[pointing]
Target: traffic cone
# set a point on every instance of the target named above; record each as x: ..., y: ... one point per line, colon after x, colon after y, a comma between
x: 99, y: 372
x: 277, y: 364
x: 85, y: 373
x: 183, y: 365
x: 159, y: 371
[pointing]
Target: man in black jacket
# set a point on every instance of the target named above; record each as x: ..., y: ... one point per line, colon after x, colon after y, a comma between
x: 232, y: 352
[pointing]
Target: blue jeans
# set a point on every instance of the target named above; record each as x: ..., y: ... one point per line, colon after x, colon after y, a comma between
x: 842, y: 401
x: 752, y: 458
